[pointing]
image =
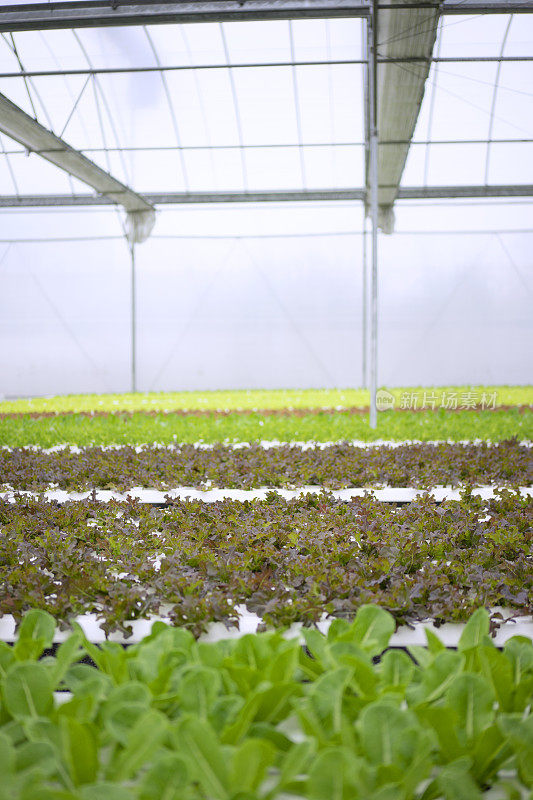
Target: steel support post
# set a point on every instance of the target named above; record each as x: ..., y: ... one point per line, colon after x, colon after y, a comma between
x: 364, y: 325
x: 374, y: 182
x: 133, y: 321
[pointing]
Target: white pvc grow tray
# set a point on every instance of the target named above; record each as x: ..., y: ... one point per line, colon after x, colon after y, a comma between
x: 386, y: 494
x: 267, y: 444
x: 405, y: 636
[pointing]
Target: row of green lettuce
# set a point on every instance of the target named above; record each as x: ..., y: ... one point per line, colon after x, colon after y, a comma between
x: 137, y: 428
x: 262, y: 718
x: 332, y: 467
x: 244, y: 399
x: 285, y: 560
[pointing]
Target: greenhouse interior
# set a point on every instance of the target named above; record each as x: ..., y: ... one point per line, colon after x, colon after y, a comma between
x: 266, y: 408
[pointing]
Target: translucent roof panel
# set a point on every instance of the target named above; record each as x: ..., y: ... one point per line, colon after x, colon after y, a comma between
x: 479, y: 35
x: 511, y: 162
x: 513, y: 116
x: 462, y: 101
x: 31, y: 173
x: 258, y: 42
x: 445, y: 165
x: 520, y: 37
x: 475, y: 124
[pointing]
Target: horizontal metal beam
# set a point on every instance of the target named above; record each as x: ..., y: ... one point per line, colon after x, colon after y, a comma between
x: 54, y: 73
x: 486, y: 7
x: 452, y: 192
x: 101, y: 13
x: 272, y: 146
x: 172, y: 198
x: 452, y: 59
x: 179, y: 198
x: 462, y: 6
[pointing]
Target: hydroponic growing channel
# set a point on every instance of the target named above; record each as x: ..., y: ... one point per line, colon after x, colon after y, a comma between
x: 147, y: 574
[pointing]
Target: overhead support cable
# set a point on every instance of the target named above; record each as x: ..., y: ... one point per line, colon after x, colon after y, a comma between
x: 480, y: 81
x: 101, y: 123
x: 221, y: 263
x: 5, y: 253
x: 422, y: 24
x: 282, y: 145
x: 494, y: 97
x: 24, y: 75
x: 74, y: 107
x: 285, y: 309
x: 66, y: 83
x: 171, y: 109
x: 27, y: 83
x: 18, y: 125
x: 259, y: 236
x: 52, y: 303
x: 432, y: 107
x: 483, y: 110
x: 136, y: 227
x: 100, y: 96
x: 236, y: 110
x: 447, y: 7
x: 97, y: 90
x: 201, y: 103
x: 297, y: 110
x: 331, y: 89
x: 513, y: 264
x: 429, y: 23
x: 9, y: 166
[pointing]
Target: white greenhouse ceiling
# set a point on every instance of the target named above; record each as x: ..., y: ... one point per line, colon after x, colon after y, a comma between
x: 214, y: 129
x: 278, y: 105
